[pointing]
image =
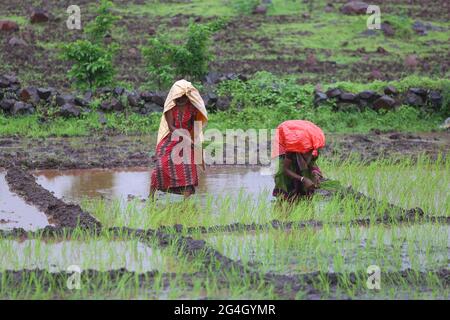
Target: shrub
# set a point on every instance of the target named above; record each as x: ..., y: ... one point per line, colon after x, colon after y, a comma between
x: 166, y: 61
x: 92, y: 64
x: 103, y: 22
x: 92, y: 60
x: 158, y: 56
x: 244, y: 7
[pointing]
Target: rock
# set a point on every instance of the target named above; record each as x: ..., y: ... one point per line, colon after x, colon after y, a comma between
x: 29, y: 95
x: 210, y: 100
x: 348, y: 97
x: 329, y: 7
x: 7, y: 25
x: 368, y: 95
x: 243, y: 77
x: 384, y: 102
x: 118, y: 91
x: 116, y: 104
x: 223, y: 103
x: 411, y: 61
x: 64, y: 99
x: 81, y: 102
x: 39, y: 16
x: 381, y: 50
x: 146, y: 96
x: 7, y: 104
x: 44, y: 93
x: 17, y: 42
x: 260, y: 9
x: 435, y: 99
x: 112, y: 105
x: 414, y: 100
x: 420, y: 28
x: 390, y: 91
x: 387, y: 29
x: 102, y: 118
x: 419, y: 91
x: 70, y: 110
x: 159, y: 98
x: 319, y: 97
x: 150, y: 107
x: 333, y: 93
x: 8, y: 81
x: 375, y: 75
x: 212, y: 78
x: 105, y: 106
x: 88, y: 95
x: 354, y: 7
x: 133, y: 100
x: 21, y: 108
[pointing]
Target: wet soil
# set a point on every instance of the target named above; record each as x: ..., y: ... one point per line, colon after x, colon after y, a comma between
x: 109, y: 151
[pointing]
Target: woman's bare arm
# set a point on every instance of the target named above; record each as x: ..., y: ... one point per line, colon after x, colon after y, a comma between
x: 287, y: 169
x: 169, y: 119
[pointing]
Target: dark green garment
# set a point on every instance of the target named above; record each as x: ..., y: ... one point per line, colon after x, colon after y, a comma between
x: 286, y: 185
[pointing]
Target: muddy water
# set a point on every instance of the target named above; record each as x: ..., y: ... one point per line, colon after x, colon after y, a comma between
x: 102, y: 255
x: 421, y: 247
x: 15, y: 212
x: 73, y: 185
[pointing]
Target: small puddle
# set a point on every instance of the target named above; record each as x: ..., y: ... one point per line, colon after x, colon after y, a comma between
x: 16, y: 213
x: 101, y: 255
x: 74, y: 185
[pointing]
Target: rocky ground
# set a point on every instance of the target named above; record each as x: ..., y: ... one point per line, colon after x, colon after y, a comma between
x: 283, y: 40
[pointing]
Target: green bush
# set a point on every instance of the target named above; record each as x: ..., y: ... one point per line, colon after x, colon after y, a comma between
x: 244, y: 7
x: 166, y: 61
x: 92, y: 60
x: 103, y: 22
x: 92, y: 64
x: 158, y: 57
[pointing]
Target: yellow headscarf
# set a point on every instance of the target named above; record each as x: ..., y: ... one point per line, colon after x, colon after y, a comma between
x: 180, y: 88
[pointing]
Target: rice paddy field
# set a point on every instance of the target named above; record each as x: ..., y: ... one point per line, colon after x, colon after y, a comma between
x: 246, y: 245
x: 80, y: 109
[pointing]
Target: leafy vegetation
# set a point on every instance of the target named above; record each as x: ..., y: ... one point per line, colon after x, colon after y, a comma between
x: 92, y: 60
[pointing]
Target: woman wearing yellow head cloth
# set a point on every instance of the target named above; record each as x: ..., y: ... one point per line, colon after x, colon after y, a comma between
x: 174, y: 171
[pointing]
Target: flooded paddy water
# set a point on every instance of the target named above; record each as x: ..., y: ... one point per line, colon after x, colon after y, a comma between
x: 95, y: 254
x: 74, y: 185
x: 118, y: 197
x: 344, y: 249
x: 16, y: 213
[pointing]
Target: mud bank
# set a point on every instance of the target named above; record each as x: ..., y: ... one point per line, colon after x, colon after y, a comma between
x: 109, y: 151
x: 60, y: 213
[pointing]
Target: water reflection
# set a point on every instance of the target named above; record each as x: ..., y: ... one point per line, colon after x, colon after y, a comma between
x: 73, y: 185
x: 16, y: 213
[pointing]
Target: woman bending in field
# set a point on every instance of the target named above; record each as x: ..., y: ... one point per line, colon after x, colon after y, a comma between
x: 296, y: 145
x: 182, y: 108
